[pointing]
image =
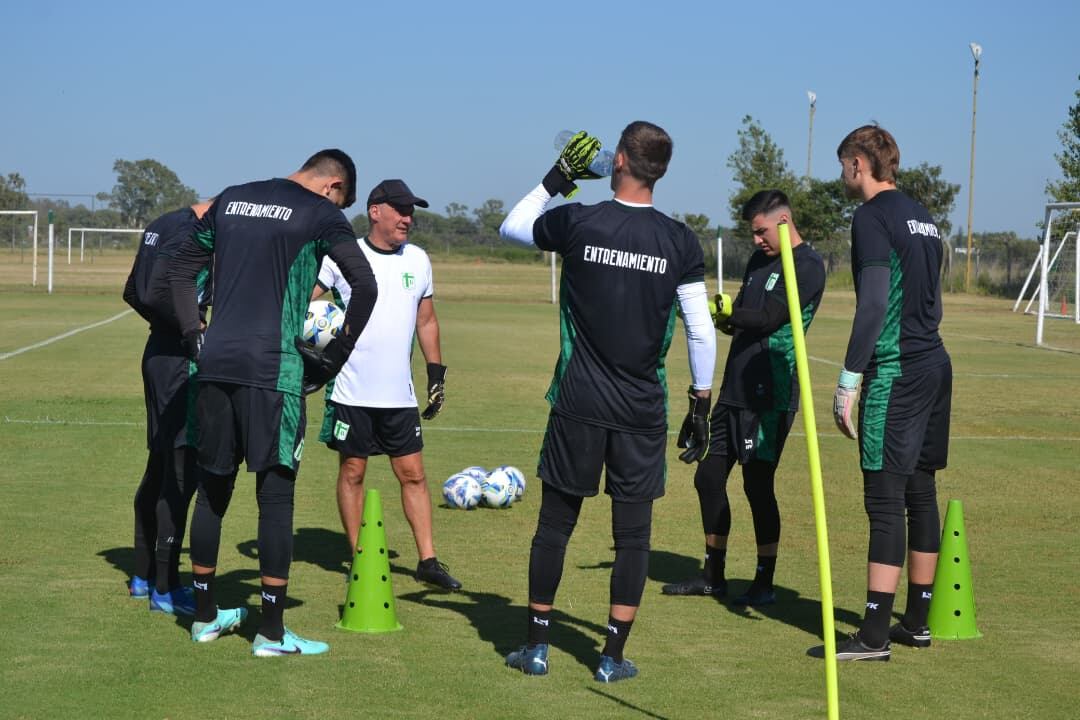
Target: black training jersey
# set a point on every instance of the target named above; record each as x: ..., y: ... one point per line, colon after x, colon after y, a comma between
x: 760, y: 373
x: 891, y: 230
x: 146, y: 290
x: 267, y: 239
x: 621, y: 266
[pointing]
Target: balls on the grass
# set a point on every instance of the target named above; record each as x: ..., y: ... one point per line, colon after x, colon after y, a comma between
x: 477, y: 471
x: 497, y: 490
x: 322, y: 323
x: 461, y: 491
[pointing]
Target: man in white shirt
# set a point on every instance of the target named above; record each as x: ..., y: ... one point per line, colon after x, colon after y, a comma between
x: 371, y: 407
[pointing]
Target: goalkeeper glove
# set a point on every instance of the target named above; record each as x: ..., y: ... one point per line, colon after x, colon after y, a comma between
x: 844, y: 401
x: 694, y: 435
x: 321, y: 366
x: 436, y: 389
x: 572, y: 164
x: 192, y: 343
x: 720, y: 309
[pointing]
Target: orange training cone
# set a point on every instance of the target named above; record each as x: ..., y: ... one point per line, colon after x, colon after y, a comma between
x: 369, y: 602
x: 952, y: 607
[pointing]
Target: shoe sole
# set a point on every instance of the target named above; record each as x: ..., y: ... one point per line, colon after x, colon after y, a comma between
x: 263, y: 653
x: 882, y: 656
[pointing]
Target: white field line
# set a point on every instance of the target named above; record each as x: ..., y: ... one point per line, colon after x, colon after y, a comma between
x: 531, y: 431
x: 69, y: 333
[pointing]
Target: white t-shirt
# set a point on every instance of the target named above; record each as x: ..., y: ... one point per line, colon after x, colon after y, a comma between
x: 379, y: 371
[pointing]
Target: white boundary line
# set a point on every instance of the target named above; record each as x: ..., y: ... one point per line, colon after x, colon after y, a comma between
x: 529, y: 431
x: 69, y: 333
x: 1007, y: 376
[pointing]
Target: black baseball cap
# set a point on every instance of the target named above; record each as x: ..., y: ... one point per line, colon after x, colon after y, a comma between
x: 394, y: 192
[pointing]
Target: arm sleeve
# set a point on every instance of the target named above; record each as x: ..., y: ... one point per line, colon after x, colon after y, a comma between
x: 356, y: 270
x: 764, y: 321
x: 131, y: 297
x: 191, y: 256
x: 700, y: 335
x: 518, y: 225
x: 872, y: 301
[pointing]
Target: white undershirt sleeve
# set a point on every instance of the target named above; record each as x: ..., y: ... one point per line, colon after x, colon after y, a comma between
x: 518, y: 225
x: 700, y: 334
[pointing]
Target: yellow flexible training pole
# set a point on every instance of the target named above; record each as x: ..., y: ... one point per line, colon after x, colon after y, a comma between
x: 806, y: 403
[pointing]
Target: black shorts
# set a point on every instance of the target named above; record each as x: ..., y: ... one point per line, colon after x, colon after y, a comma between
x: 237, y: 422
x: 748, y: 435
x: 167, y: 391
x: 363, y: 431
x: 904, y: 420
x: 574, y: 453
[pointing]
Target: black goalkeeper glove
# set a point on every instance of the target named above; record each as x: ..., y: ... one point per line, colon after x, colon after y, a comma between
x: 573, y: 164
x: 694, y: 435
x: 321, y: 366
x: 192, y: 343
x: 436, y: 390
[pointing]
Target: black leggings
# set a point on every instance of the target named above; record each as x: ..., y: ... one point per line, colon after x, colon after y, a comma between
x: 886, y: 496
x: 161, y: 505
x: 274, y: 490
x: 631, y: 525
x: 758, y: 484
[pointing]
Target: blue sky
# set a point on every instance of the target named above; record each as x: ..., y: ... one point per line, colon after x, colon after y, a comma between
x: 462, y: 100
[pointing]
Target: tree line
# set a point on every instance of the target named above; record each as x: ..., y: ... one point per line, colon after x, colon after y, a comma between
x: 146, y: 188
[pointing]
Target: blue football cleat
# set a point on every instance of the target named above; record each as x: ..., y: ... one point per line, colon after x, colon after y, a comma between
x: 289, y: 644
x: 225, y: 621
x: 140, y: 587
x: 610, y: 671
x: 531, y: 661
x: 180, y: 601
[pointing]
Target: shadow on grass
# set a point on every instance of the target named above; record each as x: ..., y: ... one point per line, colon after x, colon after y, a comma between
x: 326, y: 549
x: 623, y: 703
x: 503, y: 625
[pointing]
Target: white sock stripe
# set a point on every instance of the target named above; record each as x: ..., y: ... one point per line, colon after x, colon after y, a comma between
x: 69, y: 333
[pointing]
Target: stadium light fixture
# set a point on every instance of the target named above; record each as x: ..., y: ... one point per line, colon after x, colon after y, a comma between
x: 976, y: 52
x: 812, y: 97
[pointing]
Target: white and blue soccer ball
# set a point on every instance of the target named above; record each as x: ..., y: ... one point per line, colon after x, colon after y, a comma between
x: 462, y: 491
x: 322, y: 323
x: 477, y: 471
x: 498, y: 489
x: 517, y: 477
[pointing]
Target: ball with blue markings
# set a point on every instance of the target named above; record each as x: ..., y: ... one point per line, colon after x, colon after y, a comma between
x: 461, y: 491
x: 322, y: 323
x: 498, y: 489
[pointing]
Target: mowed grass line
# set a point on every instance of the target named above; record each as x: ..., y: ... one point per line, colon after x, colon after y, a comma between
x: 78, y: 645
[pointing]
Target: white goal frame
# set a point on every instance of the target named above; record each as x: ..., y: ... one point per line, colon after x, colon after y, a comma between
x: 1044, y: 263
x: 33, y: 262
x: 82, y: 237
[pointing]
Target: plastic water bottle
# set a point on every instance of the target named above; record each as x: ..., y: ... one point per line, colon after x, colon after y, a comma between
x: 601, y: 164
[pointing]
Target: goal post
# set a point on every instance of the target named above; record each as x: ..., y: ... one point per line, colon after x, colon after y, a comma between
x: 1058, y: 268
x: 33, y: 255
x: 82, y: 237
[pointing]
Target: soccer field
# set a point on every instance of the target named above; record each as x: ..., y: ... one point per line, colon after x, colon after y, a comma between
x: 72, y: 452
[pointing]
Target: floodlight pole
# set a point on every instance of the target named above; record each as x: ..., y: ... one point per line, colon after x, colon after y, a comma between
x: 812, y: 96
x: 976, y: 52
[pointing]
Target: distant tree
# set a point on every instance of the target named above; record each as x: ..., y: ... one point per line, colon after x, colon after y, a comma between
x: 1068, y: 188
x: 924, y: 183
x: 360, y: 224
x: 145, y: 189
x: 13, y: 192
x: 489, y: 217
x: 757, y: 164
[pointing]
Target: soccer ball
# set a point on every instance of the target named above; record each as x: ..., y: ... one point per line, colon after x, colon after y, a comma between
x: 324, y: 320
x: 461, y: 491
x: 478, y: 472
x: 498, y: 489
x: 517, y: 477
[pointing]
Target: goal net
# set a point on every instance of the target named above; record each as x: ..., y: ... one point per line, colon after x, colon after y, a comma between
x: 1056, y: 270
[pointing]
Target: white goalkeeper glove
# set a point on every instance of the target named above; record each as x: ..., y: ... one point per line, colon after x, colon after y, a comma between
x: 844, y: 402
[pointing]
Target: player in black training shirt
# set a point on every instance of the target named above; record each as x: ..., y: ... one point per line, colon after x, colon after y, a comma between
x: 896, y: 354
x: 162, y: 499
x: 624, y: 266
x: 267, y: 240
x: 758, y: 398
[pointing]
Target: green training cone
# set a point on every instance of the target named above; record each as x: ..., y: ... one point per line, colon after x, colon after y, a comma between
x: 952, y: 607
x: 369, y: 603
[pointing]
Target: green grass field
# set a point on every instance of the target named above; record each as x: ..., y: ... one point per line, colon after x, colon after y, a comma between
x: 72, y: 452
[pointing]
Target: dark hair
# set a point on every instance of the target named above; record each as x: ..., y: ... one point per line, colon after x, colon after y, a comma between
x: 334, y: 162
x: 648, y: 151
x: 763, y: 203
x: 878, y: 146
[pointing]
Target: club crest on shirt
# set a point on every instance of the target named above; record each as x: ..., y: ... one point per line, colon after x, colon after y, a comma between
x: 771, y: 282
x: 408, y: 280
